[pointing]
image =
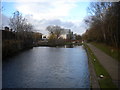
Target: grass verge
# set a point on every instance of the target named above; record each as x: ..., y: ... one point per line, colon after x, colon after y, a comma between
x: 106, y: 81
x: 113, y: 52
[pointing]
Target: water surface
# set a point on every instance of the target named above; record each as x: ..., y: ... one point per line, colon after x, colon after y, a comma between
x: 47, y: 67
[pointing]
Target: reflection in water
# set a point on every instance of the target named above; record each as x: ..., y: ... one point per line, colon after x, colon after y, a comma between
x: 47, y: 67
x: 69, y: 46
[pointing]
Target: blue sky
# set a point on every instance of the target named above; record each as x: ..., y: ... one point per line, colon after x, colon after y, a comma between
x: 66, y: 13
x: 8, y: 8
x: 80, y: 11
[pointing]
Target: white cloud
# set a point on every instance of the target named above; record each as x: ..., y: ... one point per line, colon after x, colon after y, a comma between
x: 42, y: 13
x: 66, y: 0
x: 40, y: 25
x: 50, y: 12
x: 47, y: 9
x: 5, y: 21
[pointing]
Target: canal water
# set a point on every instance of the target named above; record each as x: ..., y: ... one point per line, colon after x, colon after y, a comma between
x: 47, y: 67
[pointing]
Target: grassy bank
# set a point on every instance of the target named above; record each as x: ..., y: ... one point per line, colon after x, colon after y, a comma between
x: 106, y: 81
x: 113, y: 52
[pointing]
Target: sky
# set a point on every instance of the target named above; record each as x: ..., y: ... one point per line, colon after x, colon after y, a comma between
x: 68, y: 14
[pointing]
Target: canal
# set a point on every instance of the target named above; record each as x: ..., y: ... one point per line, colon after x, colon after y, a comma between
x: 47, y: 67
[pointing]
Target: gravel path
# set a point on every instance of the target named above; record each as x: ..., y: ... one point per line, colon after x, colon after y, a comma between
x: 110, y: 64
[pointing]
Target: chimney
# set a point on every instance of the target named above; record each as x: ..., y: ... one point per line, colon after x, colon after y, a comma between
x: 7, y: 28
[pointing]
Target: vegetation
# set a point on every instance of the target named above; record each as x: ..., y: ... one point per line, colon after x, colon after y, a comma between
x: 56, y: 39
x: 19, y: 37
x: 103, y: 23
x: 10, y: 47
x: 113, y: 52
x: 55, y: 33
x: 103, y: 32
x: 106, y: 81
x: 78, y: 37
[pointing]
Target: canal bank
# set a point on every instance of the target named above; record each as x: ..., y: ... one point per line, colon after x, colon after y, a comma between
x: 102, y: 76
x: 93, y: 77
x: 109, y: 64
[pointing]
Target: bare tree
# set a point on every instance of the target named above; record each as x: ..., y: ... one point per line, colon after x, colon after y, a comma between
x: 103, y: 22
x: 19, y: 24
x: 56, y: 30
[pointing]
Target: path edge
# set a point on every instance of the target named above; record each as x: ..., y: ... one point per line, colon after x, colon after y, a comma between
x: 93, y: 77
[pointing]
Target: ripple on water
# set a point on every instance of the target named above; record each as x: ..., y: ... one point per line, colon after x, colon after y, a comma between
x: 43, y: 67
